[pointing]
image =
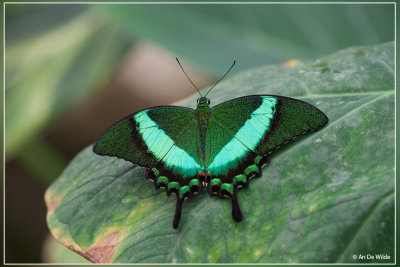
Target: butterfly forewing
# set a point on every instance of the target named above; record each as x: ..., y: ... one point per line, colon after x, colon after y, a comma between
x: 224, y: 150
x: 164, y: 139
x: 123, y: 140
x: 242, y: 131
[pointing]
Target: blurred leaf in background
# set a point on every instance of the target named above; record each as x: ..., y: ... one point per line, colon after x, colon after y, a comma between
x: 256, y: 34
x: 52, y: 63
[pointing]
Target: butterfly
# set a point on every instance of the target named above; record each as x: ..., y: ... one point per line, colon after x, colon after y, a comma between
x: 217, y: 149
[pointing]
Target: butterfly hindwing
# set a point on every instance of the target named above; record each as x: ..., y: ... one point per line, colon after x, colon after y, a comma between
x: 249, y: 128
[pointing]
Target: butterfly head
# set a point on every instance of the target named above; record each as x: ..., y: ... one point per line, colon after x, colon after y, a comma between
x: 203, y: 101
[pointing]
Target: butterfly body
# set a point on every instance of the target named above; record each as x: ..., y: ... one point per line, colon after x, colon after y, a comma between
x: 202, y: 114
x: 217, y: 149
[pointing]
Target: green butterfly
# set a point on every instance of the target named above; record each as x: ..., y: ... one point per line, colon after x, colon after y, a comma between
x: 219, y: 149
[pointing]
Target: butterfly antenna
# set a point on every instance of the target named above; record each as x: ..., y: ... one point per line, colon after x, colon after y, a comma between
x: 188, y: 76
x: 221, y: 77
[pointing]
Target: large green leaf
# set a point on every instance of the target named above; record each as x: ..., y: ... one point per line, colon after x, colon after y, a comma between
x: 56, y: 55
x: 323, y: 198
x: 256, y: 34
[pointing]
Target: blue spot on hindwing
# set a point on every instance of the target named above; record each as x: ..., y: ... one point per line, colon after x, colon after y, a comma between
x: 247, y: 137
x: 163, y: 147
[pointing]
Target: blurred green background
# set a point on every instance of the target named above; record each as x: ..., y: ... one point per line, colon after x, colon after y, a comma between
x: 72, y: 70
